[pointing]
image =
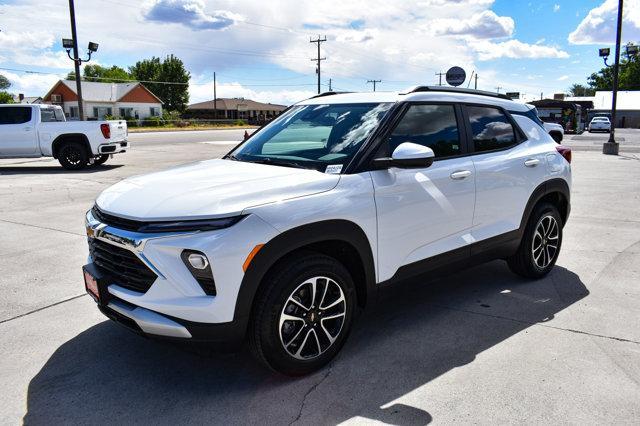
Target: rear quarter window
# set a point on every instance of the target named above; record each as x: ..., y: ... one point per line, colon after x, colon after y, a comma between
x: 15, y: 115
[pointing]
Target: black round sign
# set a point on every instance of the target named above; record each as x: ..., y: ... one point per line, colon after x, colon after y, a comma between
x: 456, y: 76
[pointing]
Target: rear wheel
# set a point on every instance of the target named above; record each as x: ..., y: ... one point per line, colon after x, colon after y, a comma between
x: 540, y: 245
x: 73, y: 156
x: 304, y: 314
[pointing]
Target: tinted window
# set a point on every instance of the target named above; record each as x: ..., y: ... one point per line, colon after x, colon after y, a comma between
x: 491, y: 129
x: 15, y: 115
x: 433, y: 126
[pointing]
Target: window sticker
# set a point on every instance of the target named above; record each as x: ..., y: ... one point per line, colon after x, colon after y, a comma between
x: 334, y: 169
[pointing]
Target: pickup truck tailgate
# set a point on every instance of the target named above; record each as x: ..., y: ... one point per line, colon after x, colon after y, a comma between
x: 118, y: 131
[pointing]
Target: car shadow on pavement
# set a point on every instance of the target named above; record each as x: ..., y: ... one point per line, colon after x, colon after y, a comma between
x: 54, y: 170
x: 412, y: 336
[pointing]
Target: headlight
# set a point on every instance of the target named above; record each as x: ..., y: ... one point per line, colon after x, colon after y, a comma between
x: 190, y: 225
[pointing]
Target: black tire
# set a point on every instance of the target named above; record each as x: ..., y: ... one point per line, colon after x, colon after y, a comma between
x: 535, y: 263
x: 100, y: 159
x: 267, y: 335
x: 73, y: 156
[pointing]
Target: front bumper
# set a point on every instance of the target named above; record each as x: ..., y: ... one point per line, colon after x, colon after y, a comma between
x: 175, y: 306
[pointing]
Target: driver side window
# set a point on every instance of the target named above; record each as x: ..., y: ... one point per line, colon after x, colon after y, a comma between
x: 433, y: 126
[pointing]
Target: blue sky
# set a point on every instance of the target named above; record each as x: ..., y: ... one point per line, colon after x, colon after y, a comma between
x: 261, y: 50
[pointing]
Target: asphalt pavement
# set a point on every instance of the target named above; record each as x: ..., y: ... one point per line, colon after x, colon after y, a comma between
x: 482, y: 346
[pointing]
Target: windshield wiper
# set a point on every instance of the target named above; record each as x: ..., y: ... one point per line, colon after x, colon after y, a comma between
x: 231, y: 157
x: 283, y: 163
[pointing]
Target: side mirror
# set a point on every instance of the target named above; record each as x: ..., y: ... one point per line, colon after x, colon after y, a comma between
x: 407, y: 155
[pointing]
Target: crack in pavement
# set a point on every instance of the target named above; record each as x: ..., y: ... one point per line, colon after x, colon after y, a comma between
x: 306, y: 395
x: 571, y: 330
x: 42, y: 227
x: 43, y: 308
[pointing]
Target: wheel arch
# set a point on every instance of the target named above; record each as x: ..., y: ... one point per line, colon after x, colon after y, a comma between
x: 67, y: 138
x: 555, y: 191
x: 341, y: 239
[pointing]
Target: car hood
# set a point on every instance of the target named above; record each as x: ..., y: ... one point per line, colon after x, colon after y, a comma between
x: 209, y: 189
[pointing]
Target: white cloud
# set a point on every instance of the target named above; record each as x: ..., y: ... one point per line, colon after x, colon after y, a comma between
x: 556, y: 7
x: 599, y: 26
x: 516, y: 49
x: 482, y: 25
x: 191, y: 13
x: 200, y: 92
x: 31, y: 84
x: 563, y: 78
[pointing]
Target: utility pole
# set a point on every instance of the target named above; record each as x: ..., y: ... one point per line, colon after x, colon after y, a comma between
x: 611, y: 147
x: 541, y: 95
x: 76, y: 59
x: 440, y: 74
x: 318, y: 58
x: 498, y: 88
x: 330, y: 86
x: 374, y: 83
x: 215, y: 98
x: 475, y: 86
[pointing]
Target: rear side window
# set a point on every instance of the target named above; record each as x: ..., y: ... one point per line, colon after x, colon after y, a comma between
x: 491, y: 129
x: 15, y: 115
x: 51, y: 115
x: 433, y: 126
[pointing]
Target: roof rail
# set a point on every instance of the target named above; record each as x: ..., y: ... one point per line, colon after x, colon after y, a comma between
x: 417, y: 89
x: 323, y: 94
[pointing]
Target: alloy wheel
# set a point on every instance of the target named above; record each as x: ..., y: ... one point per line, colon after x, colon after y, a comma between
x: 312, y: 318
x: 545, y: 241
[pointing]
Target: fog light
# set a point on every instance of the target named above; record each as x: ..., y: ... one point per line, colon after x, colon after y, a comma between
x: 198, y: 261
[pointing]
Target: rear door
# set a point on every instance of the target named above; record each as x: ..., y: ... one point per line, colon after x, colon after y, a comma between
x: 508, y: 168
x: 423, y: 212
x: 18, y: 136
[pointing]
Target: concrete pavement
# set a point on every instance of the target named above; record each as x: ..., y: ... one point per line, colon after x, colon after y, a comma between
x: 482, y: 346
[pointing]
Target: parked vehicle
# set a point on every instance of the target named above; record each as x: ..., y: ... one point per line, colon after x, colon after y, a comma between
x: 554, y: 129
x: 40, y: 130
x: 600, y: 124
x: 285, y: 238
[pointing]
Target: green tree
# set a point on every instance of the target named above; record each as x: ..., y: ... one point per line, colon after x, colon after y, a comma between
x: 629, y: 78
x: 4, y: 82
x: 174, y: 96
x: 113, y: 74
x: 581, y: 90
x: 6, y: 98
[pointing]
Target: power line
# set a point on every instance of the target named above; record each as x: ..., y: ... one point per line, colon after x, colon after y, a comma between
x: 374, y: 83
x: 318, y: 59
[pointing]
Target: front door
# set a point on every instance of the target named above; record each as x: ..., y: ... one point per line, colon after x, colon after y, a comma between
x: 18, y: 132
x: 423, y: 212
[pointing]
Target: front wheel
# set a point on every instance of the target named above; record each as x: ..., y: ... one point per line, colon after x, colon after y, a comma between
x: 303, y: 315
x: 100, y: 159
x: 540, y: 244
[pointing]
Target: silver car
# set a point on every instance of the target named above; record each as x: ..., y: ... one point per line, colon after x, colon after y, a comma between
x: 600, y: 124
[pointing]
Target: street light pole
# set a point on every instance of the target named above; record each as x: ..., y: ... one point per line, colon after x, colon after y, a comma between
x: 76, y: 60
x: 611, y: 147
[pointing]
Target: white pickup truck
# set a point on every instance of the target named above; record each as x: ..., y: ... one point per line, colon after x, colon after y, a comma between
x: 41, y: 130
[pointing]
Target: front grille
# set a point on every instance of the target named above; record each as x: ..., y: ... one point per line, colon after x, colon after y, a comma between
x: 121, y: 265
x: 115, y: 221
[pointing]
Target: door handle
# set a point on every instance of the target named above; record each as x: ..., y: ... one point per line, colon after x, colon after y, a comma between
x: 531, y: 162
x: 460, y: 174
x: 27, y: 129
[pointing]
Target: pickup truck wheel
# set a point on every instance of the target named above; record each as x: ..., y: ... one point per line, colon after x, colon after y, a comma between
x: 303, y: 315
x: 540, y: 245
x: 73, y: 156
x: 100, y: 159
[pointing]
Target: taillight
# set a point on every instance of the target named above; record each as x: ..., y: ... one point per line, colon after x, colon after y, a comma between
x: 106, y: 130
x: 565, y: 151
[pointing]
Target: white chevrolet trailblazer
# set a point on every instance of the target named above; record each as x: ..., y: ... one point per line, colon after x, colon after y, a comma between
x: 284, y: 239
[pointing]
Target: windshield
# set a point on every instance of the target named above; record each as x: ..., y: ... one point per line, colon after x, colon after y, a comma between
x: 321, y: 137
x: 604, y: 119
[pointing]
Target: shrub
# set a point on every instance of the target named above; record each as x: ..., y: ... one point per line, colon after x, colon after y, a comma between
x: 240, y: 123
x: 153, y: 122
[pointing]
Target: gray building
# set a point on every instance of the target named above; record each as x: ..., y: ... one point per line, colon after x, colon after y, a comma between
x: 234, y: 109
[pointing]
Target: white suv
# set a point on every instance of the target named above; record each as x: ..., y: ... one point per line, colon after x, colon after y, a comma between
x: 284, y: 239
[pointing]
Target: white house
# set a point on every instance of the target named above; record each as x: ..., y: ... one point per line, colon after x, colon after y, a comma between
x: 125, y: 100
